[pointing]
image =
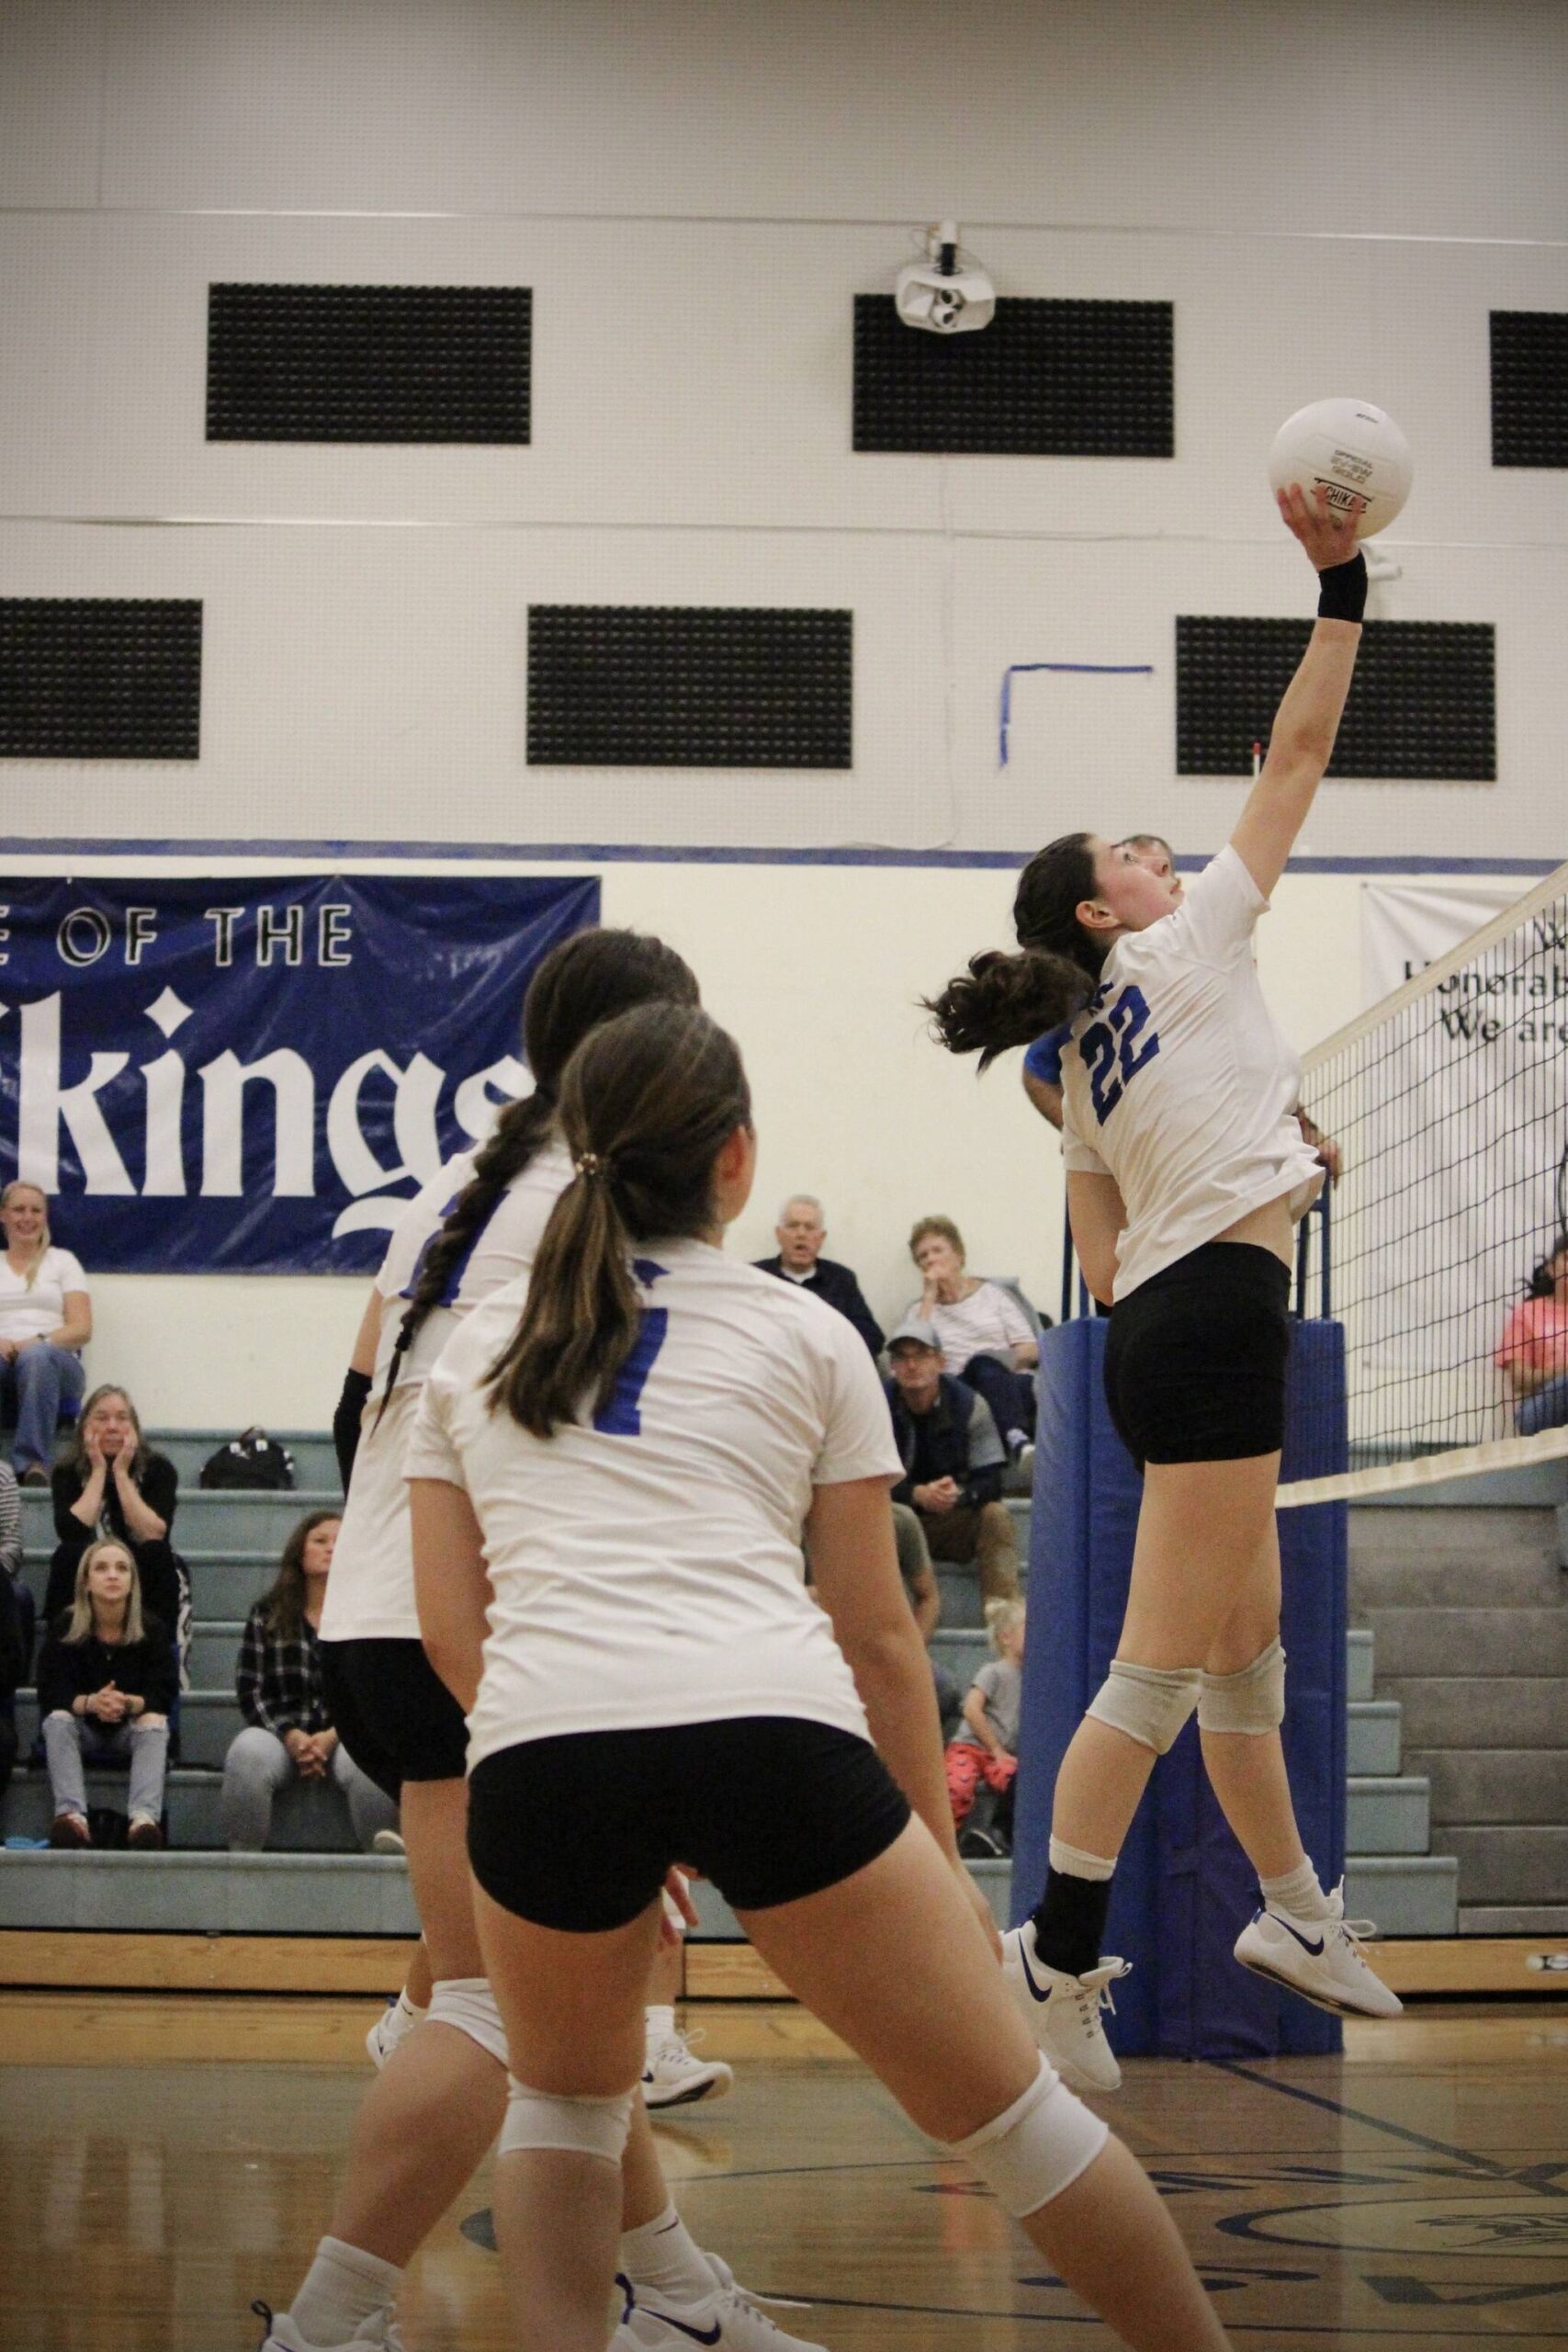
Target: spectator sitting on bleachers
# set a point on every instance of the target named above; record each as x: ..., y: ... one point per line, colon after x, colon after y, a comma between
x: 1533, y: 1351
x: 106, y: 1683
x: 952, y: 1461
x: 982, y: 1759
x: 111, y: 1483
x: 801, y: 1232
x: 46, y: 1320
x: 987, y: 1340
x: 288, y: 1734
x: 15, y: 1657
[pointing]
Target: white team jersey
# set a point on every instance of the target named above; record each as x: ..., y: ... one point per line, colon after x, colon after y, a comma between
x: 646, y: 1567
x: 1178, y: 1083
x: 370, y: 1590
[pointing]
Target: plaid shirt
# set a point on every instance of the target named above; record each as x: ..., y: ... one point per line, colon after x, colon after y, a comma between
x: 278, y: 1682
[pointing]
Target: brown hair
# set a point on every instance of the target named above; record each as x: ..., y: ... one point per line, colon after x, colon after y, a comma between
x: 81, y: 1625
x: 646, y: 1102
x: 284, y: 1605
x: 939, y: 1225
x: 588, y: 979
x: 77, y: 1457
x: 1003, y: 1000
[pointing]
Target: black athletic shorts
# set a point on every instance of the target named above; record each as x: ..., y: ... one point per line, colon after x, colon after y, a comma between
x: 578, y: 1832
x: 393, y: 1713
x: 1195, y: 1361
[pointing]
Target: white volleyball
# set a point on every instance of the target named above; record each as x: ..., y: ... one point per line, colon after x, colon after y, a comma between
x: 1355, y: 449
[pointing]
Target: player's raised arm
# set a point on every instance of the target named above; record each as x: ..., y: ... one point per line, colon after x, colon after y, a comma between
x: 1308, y: 718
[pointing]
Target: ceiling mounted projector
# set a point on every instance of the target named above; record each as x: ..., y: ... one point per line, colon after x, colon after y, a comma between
x: 938, y: 295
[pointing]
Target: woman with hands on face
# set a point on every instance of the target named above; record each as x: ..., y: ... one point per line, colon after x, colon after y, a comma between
x: 106, y: 1683
x: 112, y: 1482
x: 986, y: 1339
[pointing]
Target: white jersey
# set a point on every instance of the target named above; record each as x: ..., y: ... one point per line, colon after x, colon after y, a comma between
x: 370, y: 1590
x: 1178, y: 1083
x: 645, y: 1567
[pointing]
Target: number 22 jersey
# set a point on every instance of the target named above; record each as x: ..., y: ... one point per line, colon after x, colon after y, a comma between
x: 1178, y: 1084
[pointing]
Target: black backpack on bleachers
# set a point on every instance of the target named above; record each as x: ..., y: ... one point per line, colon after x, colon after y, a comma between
x: 252, y: 1461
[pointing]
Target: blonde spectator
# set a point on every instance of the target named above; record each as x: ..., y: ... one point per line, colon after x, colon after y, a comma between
x: 46, y: 1320
x: 105, y: 1683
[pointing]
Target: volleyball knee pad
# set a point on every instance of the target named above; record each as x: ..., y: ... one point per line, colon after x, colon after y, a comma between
x: 467, y: 2005
x: 1035, y: 2148
x: 585, y: 2127
x: 1252, y: 1701
x: 1150, y: 1704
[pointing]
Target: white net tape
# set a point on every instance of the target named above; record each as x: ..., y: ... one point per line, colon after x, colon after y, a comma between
x: 1449, y: 1102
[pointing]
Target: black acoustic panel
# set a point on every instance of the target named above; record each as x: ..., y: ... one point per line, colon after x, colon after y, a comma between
x: 689, y: 686
x: 100, y: 678
x: 369, y: 363
x: 1423, y: 705
x: 1044, y: 379
x: 1529, y: 388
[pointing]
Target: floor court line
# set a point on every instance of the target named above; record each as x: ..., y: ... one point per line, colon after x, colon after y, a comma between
x: 1377, y: 2124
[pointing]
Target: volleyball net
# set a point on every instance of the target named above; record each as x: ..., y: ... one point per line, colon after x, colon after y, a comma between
x: 1447, y: 1104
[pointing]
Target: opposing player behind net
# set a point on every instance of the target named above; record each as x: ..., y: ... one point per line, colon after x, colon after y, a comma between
x: 609, y: 1473
x: 1185, y: 1174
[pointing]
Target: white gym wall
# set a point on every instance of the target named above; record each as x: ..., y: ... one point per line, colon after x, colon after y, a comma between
x: 1333, y: 198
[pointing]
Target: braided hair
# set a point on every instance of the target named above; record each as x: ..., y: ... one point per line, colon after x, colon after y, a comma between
x: 588, y: 979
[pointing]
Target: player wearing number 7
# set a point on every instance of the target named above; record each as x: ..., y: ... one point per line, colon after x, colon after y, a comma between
x: 1185, y: 1176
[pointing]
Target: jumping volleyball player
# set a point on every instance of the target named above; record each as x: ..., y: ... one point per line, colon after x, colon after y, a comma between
x: 438, y: 2105
x: 1185, y: 1171
x: 613, y: 1458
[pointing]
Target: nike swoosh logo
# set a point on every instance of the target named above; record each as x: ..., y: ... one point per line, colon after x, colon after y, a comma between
x: 1023, y: 1963
x: 1314, y: 1951
x: 698, y: 2335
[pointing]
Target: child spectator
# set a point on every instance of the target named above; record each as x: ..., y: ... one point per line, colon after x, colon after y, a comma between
x: 984, y: 1754
x: 106, y: 1683
x: 288, y: 1734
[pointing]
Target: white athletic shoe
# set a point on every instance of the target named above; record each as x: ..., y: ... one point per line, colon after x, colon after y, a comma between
x: 671, y: 2076
x: 388, y: 1841
x: 1062, y: 2012
x: 282, y: 2336
x: 389, y: 2028
x: 727, y: 2321
x: 1320, y: 1959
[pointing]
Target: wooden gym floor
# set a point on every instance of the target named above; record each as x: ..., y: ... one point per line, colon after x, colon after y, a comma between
x: 166, y: 2158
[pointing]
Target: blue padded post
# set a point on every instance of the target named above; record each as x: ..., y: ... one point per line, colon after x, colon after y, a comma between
x: 1183, y: 1888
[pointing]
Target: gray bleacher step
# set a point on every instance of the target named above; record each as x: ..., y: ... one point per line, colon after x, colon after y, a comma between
x: 1487, y: 1711
x: 322, y: 1894
x: 315, y: 1458
x: 206, y: 1522
x: 1548, y: 1920
x: 1358, y: 1647
x: 1511, y: 1864
x: 214, y: 1648
x: 307, y: 1817
x: 1388, y: 1817
x: 1527, y: 1484
x: 1406, y: 1895
x: 1428, y: 1640
x: 1495, y: 1784
x: 1374, y: 1734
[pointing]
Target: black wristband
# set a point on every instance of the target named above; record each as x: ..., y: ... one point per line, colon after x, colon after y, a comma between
x: 1342, y: 590
x: 345, y: 1422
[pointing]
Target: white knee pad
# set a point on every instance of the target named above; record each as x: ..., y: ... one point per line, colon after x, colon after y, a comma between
x: 468, y: 2004
x: 1252, y: 1701
x: 1037, y: 2147
x: 1150, y: 1704
x: 586, y: 2127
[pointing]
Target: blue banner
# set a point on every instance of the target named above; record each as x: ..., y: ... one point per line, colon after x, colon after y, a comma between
x: 250, y: 1075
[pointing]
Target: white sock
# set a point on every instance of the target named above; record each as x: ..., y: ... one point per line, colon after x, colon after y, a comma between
x: 406, y: 2012
x: 1071, y: 1861
x: 1298, y: 1893
x: 659, y: 2022
x: 664, y: 2258
x: 344, y: 2288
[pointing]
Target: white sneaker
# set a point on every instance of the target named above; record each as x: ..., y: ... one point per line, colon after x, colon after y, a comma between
x: 728, y: 2320
x: 1062, y: 2012
x: 1320, y: 1959
x: 671, y: 2076
x: 394, y: 2022
x: 282, y: 2336
x: 388, y: 1841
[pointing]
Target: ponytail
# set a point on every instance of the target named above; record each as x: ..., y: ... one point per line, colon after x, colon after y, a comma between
x: 647, y: 1102
x: 1005, y: 1001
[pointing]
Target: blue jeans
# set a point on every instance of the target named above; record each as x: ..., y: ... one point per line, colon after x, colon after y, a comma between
x: 1547, y: 1409
x: 34, y: 1386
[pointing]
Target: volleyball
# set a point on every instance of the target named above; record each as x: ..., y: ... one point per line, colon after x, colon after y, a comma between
x: 1355, y: 449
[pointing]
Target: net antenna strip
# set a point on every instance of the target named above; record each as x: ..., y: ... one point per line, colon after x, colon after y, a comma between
x: 1077, y: 669
x: 1455, y: 1138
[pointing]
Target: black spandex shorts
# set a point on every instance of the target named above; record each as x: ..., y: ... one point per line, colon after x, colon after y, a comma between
x: 1195, y: 1362
x: 768, y: 1807
x: 393, y: 1713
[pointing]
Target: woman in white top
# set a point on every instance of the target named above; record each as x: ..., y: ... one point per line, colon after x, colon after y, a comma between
x: 609, y: 1474
x: 438, y: 2105
x: 46, y: 1320
x: 1186, y: 1170
x: 987, y: 1341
